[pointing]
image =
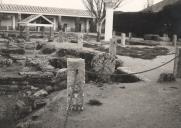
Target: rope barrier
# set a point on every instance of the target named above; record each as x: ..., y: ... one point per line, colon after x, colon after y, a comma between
x: 141, y: 72
x: 171, y: 54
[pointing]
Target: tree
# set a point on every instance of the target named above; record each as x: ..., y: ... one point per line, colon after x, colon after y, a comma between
x: 97, y: 8
x: 149, y: 5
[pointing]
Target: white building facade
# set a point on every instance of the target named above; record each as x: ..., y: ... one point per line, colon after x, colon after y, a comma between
x: 68, y: 20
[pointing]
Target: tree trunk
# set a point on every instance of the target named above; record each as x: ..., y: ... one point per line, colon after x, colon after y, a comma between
x: 99, y: 27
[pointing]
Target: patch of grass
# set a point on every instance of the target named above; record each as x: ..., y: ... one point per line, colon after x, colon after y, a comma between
x: 135, y: 52
x: 94, y: 102
x: 94, y: 46
x: 91, y: 37
x: 144, y: 42
x: 143, y: 53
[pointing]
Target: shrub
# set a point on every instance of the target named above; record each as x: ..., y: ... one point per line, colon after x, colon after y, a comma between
x: 94, y: 102
x: 20, y: 40
x: 39, y: 45
x: 6, y: 62
x: 119, y: 63
x: 166, y: 77
x: 48, y: 49
x: 73, y: 41
x: 152, y: 37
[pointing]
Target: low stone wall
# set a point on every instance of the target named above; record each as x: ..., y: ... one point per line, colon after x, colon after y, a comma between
x: 67, y: 37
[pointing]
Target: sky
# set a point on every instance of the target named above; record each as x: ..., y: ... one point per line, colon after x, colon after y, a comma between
x: 127, y: 5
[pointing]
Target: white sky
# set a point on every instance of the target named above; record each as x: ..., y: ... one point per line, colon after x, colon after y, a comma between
x: 127, y: 5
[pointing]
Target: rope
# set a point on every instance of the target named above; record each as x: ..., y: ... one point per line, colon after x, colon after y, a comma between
x: 171, y: 54
x: 135, y: 72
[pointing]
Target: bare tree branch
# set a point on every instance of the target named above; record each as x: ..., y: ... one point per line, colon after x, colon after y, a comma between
x: 97, y: 8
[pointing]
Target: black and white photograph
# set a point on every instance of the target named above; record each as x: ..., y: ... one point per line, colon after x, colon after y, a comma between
x: 90, y: 63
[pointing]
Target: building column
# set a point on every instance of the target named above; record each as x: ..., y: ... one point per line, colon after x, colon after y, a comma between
x: 19, y: 19
x: 14, y: 22
x: 59, y: 22
x: 38, y: 29
x: 77, y: 24
x: 109, y: 21
x: 51, y: 34
x: 27, y: 28
x: 55, y: 24
x: 43, y: 32
x: 87, y: 26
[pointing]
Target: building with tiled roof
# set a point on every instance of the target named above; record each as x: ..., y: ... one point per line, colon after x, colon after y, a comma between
x: 67, y: 19
x: 24, y: 9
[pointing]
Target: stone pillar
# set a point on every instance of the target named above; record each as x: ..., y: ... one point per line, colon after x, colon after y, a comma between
x: 130, y: 35
x: 109, y: 23
x: 165, y: 37
x: 14, y: 22
x: 27, y: 29
x: 177, y: 64
x: 123, y: 39
x: 112, y: 47
x: 174, y: 40
x: 80, y: 40
x: 75, y: 84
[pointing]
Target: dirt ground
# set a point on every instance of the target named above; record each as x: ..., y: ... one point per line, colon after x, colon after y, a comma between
x: 146, y: 104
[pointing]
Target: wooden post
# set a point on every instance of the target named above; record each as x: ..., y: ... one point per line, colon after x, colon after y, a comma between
x: 123, y: 39
x: 177, y: 64
x: 112, y: 47
x: 75, y: 83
